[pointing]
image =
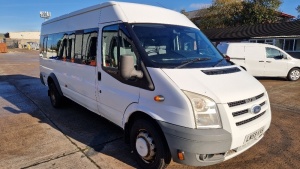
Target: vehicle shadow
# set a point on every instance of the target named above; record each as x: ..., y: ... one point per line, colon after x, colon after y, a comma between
x: 91, y: 133
x: 272, y: 78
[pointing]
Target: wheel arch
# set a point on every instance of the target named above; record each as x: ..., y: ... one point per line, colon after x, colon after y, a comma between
x: 128, y: 124
x: 163, y: 157
x: 141, y: 115
x: 295, y: 67
x: 52, y: 79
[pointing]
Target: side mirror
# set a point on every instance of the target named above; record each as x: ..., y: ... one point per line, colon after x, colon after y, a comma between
x: 226, y: 57
x: 285, y: 57
x: 127, y: 68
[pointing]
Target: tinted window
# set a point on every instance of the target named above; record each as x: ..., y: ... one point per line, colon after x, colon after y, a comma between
x: 51, y: 45
x: 79, y: 47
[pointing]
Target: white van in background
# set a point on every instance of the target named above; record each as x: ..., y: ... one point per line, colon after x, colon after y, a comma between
x: 262, y: 59
x: 152, y: 72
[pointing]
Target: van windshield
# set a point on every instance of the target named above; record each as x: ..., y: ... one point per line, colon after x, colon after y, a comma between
x: 171, y: 46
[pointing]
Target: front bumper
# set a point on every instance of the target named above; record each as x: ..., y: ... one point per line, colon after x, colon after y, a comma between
x: 195, y: 142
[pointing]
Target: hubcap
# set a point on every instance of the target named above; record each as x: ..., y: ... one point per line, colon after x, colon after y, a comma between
x: 141, y: 147
x: 295, y: 74
x: 145, y: 146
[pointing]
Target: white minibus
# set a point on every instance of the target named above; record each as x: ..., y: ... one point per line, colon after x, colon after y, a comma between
x: 152, y: 72
x: 262, y: 59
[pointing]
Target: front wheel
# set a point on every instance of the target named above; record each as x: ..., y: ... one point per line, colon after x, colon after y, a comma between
x: 55, y: 98
x: 148, y: 145
x: 294, y: 74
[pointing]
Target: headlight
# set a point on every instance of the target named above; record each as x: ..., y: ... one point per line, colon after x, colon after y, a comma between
x: 205, y: 111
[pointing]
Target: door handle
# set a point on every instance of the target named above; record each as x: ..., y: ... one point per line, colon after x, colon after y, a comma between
x: 261, y: 61
x: 268, y: 61
x: 99, y: 76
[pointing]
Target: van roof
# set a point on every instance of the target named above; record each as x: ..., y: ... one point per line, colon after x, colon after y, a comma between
x: 78, y: 12
x: 133, y: 13
x: 245, y: 44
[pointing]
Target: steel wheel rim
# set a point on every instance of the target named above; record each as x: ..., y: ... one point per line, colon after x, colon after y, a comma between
x: 145, y: 147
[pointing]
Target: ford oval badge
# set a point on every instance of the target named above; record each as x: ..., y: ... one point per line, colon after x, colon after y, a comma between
x: 255, y: 109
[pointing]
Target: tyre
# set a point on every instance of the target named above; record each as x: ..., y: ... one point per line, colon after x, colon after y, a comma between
x: 148, y: 145
x: 294, y: 74
x: 55, y: 98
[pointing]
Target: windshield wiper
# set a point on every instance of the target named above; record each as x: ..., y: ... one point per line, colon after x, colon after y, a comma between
x: 192, y: 61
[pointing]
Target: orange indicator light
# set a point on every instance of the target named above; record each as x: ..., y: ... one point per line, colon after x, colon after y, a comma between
x: 159, y: 98
x: 180, y: 155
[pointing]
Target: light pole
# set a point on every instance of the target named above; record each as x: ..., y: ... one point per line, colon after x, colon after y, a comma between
x: 45, y: 14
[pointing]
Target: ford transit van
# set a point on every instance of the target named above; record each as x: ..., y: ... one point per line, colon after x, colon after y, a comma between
x: 262, y: 59
x: 152, y: 72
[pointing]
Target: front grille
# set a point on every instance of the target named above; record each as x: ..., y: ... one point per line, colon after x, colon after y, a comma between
x: 240, y: 112
x: 241, y: 102
x: 237, y: 103
x: 249, y: 120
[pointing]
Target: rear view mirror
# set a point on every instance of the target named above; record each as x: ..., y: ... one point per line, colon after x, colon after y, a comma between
x: 127, y: 68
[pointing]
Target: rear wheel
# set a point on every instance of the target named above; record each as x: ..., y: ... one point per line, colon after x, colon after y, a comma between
x: 148, y: 145
x: 55, y: 98
x: 294, y: 74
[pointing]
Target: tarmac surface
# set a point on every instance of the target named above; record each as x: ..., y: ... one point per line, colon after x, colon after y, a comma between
x: 33, y: 134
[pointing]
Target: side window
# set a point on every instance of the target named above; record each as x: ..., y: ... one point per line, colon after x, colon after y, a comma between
x: 116, y: 41
x: 51, y: 47
x: 71, y: 48
x: 89, y: 46
x: 44, y: 47
x: 78, y: 46
x: 274, y: 53
x: 110, y: 46
x: 126, y: 44
x: 63, y: 47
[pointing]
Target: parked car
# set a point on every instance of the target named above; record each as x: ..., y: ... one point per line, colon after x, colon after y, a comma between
x: 262, y: 59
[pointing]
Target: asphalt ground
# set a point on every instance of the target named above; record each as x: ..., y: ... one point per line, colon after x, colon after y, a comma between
x: 33, y: 134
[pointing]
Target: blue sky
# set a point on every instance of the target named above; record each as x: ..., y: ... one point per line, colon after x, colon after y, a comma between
x: 23, y: 15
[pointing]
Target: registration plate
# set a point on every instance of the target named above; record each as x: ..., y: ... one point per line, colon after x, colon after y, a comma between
x: 254, y: 136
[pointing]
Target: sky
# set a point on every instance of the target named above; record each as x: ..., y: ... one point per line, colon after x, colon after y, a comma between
x: 23, y: 15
